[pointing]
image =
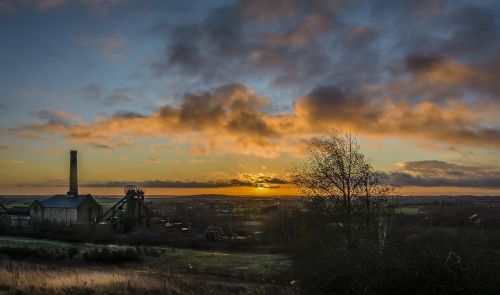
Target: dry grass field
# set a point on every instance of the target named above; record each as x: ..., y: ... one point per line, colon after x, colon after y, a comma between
x: 169, y: 271
x: 32, y: 278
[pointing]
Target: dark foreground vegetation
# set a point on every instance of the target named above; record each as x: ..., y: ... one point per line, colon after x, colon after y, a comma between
x: 352, y: 239
x: 417, y: 259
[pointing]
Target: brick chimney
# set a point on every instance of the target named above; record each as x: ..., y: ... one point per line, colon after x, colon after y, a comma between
x: 73, y: 176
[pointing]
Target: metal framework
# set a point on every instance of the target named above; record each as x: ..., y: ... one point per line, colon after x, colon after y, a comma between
x: 130, y: 212
x: 3, y: 210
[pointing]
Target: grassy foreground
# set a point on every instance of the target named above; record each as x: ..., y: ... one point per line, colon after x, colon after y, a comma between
x: 168, y: 271
x: 30, y: 278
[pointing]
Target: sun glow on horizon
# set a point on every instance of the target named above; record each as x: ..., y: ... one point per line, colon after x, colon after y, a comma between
x: 260, y: 189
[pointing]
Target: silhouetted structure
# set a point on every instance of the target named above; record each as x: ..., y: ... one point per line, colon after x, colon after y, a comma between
x: 18, y: 216
x: 213, y: 233
x: 73, y: 174
x: 67, y: 209
x: 3, y: 209
x: 131, y: 212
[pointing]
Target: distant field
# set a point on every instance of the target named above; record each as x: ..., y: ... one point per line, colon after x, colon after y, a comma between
x: 409, y: 210
x: 242, y: 265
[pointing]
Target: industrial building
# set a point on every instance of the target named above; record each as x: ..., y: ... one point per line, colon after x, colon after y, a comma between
x: 17, y: 216
x: 66, y: 210
x: 129, y: 213
x: 63, y: 210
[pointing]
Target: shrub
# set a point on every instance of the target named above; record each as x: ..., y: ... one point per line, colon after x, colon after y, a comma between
x: 23, y: 253
x: 72, y: 252
x: 114, y: 256
x: 148, y: 251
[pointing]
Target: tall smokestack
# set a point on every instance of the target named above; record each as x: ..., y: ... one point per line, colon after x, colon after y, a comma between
x: 73, y: 176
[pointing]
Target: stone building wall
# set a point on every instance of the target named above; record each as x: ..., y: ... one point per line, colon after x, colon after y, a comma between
x: 89, y: 211
x: 36, y: 212
x: 64, y: 216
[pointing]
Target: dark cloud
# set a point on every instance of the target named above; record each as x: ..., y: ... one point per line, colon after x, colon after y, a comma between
x: 267, y: 182
x: 297, y: 45
x: 127, y: 115
x: 438, y: 173
x: 204, y: 109
x: 56, y: 117
x: 474, y: 32
x: 92, y: 91
x: 167, y: 184
x: 118, y: 97
x: 223, y: 28
x: 233, y: 108
x: 101, y: 146
x: 182, y: 52
x: 198, y: 48
x: 249, y: 123
x: 422, y: 63
x: 97, y: 6
x: 360, y: 36
x: 327, y: 103
x: 270, y: 11
x: 6, y: 6
x: 227, y: 44
x: 264, y: 182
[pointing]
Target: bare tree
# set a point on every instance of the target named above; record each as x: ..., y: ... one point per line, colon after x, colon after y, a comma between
x: 343, y: 186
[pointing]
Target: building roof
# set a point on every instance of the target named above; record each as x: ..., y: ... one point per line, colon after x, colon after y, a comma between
x: 63, y: 201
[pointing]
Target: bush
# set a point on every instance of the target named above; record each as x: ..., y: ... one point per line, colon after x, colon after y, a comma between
x: 23, y: 253
x: 72, y: 252
x: 113, y: 256
x: 153, y: 252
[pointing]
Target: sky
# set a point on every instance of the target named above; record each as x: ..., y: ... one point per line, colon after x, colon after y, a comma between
x: 189, y: 97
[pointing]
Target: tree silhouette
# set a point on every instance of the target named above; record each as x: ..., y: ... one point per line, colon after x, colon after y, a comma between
x: 340, y: 185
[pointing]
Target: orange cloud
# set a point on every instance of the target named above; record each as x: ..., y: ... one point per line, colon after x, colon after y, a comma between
x: 431, y: 71
x: 310, y: 27
x: 154, y: 160
x: 452, y: 122
x: 439, y: 70
x: 233, y: 119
